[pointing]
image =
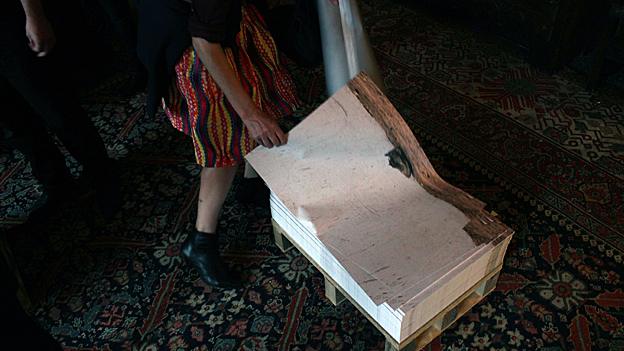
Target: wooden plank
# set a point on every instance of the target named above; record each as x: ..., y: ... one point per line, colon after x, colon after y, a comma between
x: 419, y: 312
x: 332, y: 293
x: 280, y: 240
x: 482, y: 227
x: 491, y: 283
x: 498, y: 254
x: 451, y: 313
x: 276, y: 227
x: 389, y: 346
x: 435, y: 326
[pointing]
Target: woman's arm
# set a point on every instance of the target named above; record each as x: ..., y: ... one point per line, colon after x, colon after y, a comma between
x: 263, y: 129
x: 39, y: 32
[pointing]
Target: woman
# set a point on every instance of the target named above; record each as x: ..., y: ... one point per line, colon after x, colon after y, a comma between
x: 229, y: 88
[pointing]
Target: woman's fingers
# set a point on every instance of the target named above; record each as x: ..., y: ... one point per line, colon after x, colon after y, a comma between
x: 272, y: 139
x: 40, y: 34
x: 268, y: 133
x: 278, y: 135
x: 275, y: 140
x: 32, y: 43
x: 266, y: 142
x: 282, y: 138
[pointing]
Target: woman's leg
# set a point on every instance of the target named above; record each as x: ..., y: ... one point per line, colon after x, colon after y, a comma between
x: 201, y: 248
x: 214, y: 187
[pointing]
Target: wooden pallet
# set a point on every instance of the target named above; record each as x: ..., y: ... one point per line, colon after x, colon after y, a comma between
x: 427, y: 332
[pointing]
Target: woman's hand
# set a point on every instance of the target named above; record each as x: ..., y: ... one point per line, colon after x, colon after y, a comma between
x: 265, y: 130
x: 262, y: 128
x: 39, y: 32
x: 40, y: 35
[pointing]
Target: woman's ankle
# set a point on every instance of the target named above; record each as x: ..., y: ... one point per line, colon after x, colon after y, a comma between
x: 205, y: 231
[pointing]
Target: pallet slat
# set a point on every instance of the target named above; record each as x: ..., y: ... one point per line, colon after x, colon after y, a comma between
x: 333, y: 294
x: 429, y: 331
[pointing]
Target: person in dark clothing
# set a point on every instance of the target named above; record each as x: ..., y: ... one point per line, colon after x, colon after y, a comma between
x: 214, y: 66
x: 121, y: 19
x: 36, y: 101
x: 22, y: 329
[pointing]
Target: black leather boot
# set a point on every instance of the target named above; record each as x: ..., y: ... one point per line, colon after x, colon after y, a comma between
x: 202, y: 251
x: 55, y: 199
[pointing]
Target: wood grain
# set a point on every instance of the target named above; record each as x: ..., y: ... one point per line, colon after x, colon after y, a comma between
x: 482, y: 227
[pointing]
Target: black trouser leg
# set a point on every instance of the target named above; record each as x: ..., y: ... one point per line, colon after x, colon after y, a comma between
x: 18, y: 328
x: 120, y: 16
x: 23, y: 131
x: 40, y: 82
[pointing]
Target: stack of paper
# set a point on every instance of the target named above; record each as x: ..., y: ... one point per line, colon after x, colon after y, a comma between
x: 399, y: 252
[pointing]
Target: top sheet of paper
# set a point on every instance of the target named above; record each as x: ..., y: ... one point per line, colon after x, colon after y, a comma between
x: 384, y: 228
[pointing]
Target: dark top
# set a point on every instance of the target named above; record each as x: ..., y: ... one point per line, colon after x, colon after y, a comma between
x: 216, y: 21
x: 165, y: 30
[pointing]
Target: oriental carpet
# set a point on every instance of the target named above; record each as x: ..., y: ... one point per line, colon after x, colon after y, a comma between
x: 540, y: 150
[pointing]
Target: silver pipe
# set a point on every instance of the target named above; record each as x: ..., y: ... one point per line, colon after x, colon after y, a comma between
x: 360, y: 55
x: 334, y: 56
x: 346, y: 48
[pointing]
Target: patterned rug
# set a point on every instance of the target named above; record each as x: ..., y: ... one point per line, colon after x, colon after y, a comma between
x: 542, y: 152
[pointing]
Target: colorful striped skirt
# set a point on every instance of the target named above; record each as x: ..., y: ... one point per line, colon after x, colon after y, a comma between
x: 197, y: 107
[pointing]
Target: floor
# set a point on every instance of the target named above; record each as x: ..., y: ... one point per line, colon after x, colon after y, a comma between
x: 539, y: 149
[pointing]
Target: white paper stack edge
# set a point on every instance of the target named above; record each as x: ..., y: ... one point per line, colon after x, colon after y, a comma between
x: 400, y: 254
x: 426, y: 304
x: 388, y: 318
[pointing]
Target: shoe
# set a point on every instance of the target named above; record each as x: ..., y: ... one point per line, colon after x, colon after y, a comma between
x: 56, y: 198
x: 202, y: 251
x: 50, y: 206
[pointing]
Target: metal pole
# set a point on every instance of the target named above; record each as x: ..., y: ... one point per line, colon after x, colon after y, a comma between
x: 346, y: 49
x: 334, y: 56
x: 360, y: 55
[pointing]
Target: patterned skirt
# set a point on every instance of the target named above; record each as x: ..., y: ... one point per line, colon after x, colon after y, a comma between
x: 197, y: 107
